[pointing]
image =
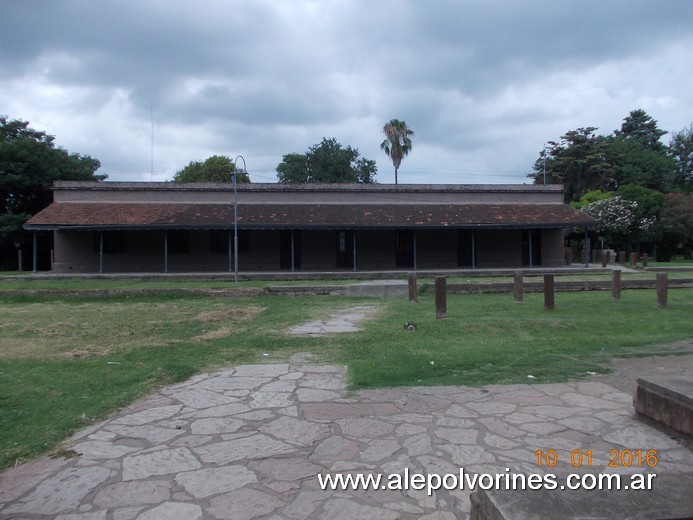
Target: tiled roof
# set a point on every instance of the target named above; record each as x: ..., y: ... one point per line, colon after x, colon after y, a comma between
x: 94, y: 215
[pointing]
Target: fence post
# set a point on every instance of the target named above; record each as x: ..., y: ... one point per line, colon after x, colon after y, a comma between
x: 517, y: 287
x: 548, y: 292
x: 662, y: 290
x: 645, y: 258
x: 633, y: 259
x: 621, y: 257
x: 413, y: 290
x: 616, y: 284
x: 605, y: 258
x: 441, y: 298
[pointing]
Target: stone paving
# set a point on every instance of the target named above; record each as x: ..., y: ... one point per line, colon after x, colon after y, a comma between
x: 345, y: 320
x: 249, y: 443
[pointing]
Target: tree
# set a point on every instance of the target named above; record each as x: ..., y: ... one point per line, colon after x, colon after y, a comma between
x: 29, y: 163
x: 616, y: 217
x: 397, y: 143
x: 640, y: 127
x: 677, y: 221
x: 648, y: 208
x: 293, y: 168
x: 631, y: 162
x: 681, y: 152
x: 327, y: 162
x: 217, y: 168
x: 577, y: 161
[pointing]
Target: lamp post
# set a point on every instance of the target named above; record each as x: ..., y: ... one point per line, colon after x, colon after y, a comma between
x: 234, y: 175
x: 544, y: 154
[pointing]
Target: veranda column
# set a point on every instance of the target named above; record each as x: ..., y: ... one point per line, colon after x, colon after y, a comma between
x: 414, y: 247
x: 35, y: 260
x: 166, y: 251
x: 100, y: 252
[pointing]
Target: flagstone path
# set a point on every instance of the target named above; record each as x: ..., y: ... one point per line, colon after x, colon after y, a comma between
x: 345, y: 320
x: 249, y: 443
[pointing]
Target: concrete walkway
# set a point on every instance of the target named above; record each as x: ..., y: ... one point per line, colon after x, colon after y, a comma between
x: 249, y: 443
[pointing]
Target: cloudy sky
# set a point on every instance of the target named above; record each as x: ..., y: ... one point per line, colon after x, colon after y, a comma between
x: 483, y: 83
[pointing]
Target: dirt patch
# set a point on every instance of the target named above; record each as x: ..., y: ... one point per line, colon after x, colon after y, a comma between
x: 233, y: 314
x: 670, y: 359
x: 214, y: 334
x: 84, y: 353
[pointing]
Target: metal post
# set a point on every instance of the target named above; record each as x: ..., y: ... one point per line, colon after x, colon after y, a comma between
x: 474, y: 249
x: 35, y: 261
x: 230, y: 240
x: 414, y: 247
x: 235, y: 229
x: 166, y: 251
x: 530, y: 248
x: 544, y: 165
x: 234, y: 175
x: 587, y: 247
x: 293, y: 253
x: 353, y: 246
x: 100, y: 252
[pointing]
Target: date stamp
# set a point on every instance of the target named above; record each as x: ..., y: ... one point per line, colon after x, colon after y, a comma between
x: 585, y: 458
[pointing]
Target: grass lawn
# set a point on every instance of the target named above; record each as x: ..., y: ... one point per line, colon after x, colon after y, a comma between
x: 67, y: 362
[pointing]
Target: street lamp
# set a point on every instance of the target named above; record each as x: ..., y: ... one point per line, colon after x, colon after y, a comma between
x: 544, y: 154
x: 234, y: 174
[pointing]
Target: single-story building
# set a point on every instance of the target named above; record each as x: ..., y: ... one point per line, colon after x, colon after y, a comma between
x: 114, y: 227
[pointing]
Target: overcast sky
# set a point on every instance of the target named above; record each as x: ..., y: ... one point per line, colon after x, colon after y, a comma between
x: 484, y: 84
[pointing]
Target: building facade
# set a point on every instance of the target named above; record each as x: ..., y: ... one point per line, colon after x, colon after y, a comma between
x: 116, y: 227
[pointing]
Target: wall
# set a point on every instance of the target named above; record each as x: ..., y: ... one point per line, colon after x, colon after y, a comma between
x: 552, y: 252
x: 499, y: 248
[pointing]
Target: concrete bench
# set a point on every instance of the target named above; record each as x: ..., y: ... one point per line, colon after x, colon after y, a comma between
x: 667, y: 401
x: 670, y: 498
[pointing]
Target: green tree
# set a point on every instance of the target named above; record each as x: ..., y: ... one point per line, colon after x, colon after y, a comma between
x: 397, y: 143
x: 327, y: 162
x: 293, y: 168
x: 29, y: 163
x: 631, y: 162
x: 677, y: 222
x: 217, y: 168
x: 640, y: 127
x: 590, y: 197
x: 681, y: 152
x: 577, y: 161
x: 648, y: 208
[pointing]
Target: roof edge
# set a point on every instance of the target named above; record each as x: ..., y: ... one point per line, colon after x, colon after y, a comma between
x: 308, y: 187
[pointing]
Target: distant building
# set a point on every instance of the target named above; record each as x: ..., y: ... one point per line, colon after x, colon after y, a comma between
x: 116, y: 227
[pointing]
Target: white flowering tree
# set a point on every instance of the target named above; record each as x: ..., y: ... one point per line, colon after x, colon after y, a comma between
x: 617, y: 218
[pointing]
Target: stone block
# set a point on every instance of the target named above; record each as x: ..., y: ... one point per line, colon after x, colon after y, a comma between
x: 666, y: 400
x: 669, y: 498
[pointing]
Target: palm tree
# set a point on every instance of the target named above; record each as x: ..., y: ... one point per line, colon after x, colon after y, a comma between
x: 397, y: 142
